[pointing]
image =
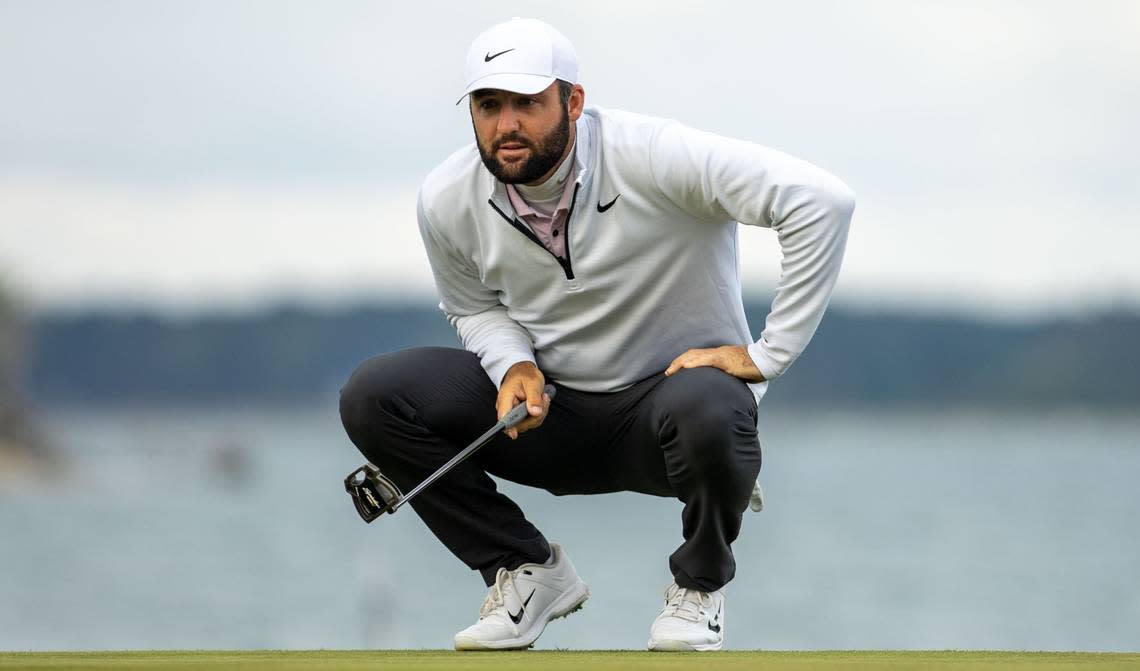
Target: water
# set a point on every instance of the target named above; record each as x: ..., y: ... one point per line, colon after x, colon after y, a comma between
x: 884, y: 529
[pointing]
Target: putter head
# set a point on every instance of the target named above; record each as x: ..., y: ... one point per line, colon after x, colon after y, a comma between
x: 372, y: 492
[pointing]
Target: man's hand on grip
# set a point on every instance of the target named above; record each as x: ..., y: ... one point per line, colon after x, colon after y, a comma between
x: 523, y: 382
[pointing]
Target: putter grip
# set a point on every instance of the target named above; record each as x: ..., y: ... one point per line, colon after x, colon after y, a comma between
x: 519, y: 413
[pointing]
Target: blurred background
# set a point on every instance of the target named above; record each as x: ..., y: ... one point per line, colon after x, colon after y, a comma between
x: 207, y: 220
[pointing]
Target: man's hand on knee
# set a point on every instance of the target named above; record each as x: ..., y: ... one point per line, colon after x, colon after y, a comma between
x: 523, y: 382
x: 732, y: 359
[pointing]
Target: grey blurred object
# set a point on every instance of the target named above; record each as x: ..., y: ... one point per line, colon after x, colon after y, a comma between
x: 22, y: 449
x: 756, y: 501
x: 231, y: 461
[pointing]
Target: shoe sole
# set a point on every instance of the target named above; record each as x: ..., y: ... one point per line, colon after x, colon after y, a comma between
x: 571, y: 601
x: 682, y: 646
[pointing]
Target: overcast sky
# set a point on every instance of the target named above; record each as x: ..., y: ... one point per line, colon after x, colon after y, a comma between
x: 200, y: 155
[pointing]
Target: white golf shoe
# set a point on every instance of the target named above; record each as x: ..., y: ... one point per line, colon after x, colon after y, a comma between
x: 690, y: 620
x: 522, y: 601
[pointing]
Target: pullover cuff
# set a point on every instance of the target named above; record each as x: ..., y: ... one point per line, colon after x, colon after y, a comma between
x: 764, y: 361
x: 498, y: 365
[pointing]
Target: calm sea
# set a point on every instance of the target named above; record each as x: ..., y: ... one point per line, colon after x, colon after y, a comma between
x: 884, y: 529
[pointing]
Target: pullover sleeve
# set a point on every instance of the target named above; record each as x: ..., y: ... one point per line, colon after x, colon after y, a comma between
x: 473, y: 310
x: 714, y: 177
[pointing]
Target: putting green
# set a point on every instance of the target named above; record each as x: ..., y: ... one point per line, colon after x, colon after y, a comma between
x: 427, y: 660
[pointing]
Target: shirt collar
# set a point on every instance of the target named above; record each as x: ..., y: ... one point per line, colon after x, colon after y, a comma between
x: 523, y: 208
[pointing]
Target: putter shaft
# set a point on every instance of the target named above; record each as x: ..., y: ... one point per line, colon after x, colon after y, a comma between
x: 512, y: 418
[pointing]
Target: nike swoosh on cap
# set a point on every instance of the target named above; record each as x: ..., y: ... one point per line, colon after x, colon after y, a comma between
x: 488, y: 57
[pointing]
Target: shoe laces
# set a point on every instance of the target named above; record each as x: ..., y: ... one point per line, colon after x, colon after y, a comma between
x: 685, y: 603
x: 495, y: 599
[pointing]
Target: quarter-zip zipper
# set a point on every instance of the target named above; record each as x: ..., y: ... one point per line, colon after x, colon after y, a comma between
x: 525, y: 230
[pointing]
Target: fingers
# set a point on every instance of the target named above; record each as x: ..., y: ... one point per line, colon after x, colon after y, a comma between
x: 732, y: 359
x: 538, y: 404
x: 509, y: 396
x: 537, y: 416
x: 532, y: 422
x: 534, y: 396
x: 692, y: 359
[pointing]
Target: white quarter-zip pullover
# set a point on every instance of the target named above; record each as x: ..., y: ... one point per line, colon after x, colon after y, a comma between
x: 652, y: 260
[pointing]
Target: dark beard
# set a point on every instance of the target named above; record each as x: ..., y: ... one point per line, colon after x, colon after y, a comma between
x: 543, y: 157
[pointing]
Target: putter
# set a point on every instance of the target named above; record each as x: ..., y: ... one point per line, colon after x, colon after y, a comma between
x: 374, y: 493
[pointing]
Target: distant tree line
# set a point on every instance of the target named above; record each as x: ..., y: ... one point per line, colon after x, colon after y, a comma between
x: 294, y: 353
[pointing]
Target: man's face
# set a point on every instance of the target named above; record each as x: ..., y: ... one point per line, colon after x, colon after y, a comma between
x: 520, y: 137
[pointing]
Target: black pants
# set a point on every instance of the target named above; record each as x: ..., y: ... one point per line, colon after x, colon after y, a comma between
x: 691, y: 435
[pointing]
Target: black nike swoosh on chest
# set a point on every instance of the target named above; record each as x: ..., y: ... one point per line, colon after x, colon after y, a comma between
x: 518, y: 618
x: 603, y: 208
x: 488, y: 57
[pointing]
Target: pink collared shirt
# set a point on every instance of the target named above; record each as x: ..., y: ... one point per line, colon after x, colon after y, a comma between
x: 551, y: 230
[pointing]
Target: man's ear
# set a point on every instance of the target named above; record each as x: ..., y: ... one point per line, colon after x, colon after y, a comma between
x: 576, y: 103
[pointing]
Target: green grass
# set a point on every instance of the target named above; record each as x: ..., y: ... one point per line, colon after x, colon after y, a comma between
x: 587, y: 660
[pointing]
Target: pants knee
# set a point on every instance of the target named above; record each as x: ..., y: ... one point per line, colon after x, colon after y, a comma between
x: 719, y: 441
x: 709, y: 423
x: 378, y: 386
x: 360, y: 398
x: 416, y: 394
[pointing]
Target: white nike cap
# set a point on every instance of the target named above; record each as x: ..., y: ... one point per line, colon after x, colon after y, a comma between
x: 520, y: 55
